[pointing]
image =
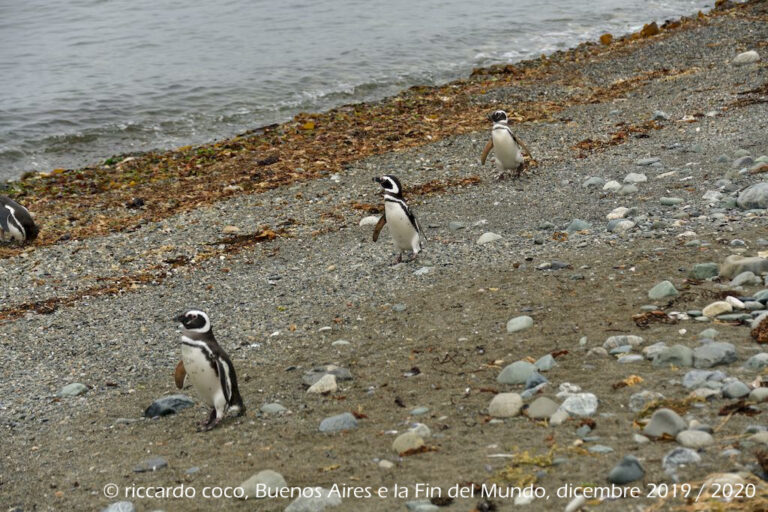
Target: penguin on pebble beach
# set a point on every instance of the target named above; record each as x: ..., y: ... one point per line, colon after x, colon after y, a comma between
x: 507, y: 147
x: 405, y: 229
x: 208, y: 368
x: 16, y: 223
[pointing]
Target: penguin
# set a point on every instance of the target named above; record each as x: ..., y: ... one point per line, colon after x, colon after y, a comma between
x: 208, y: 368
x: 507, y: 147
x: 16, y: 222
x: 405, y: 229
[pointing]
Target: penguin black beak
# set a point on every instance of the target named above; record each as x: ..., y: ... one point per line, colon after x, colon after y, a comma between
x: 179, y: 318
x: 377, y: 180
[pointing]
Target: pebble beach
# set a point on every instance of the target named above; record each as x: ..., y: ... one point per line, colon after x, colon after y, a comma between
x: 599, y: 321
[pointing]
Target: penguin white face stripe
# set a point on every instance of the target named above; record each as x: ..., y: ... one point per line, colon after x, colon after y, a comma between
x: 194, y: 314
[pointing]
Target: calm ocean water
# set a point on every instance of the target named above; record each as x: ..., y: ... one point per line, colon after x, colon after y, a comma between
x: 85, y: 79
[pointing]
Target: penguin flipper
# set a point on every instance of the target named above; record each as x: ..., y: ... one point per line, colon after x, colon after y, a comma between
x: 486, y: 150
x: 379, y: 227
x: 521, y: 144
x: 180, y: 374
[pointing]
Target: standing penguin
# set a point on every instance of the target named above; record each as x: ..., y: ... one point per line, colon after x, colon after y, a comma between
x: 405, y: 229
x: 208, y: 367
x: 16, y: 222
x: 507, y: 147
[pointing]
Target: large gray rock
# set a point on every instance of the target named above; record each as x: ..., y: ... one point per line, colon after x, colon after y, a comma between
x: 319, y: 501
x: 663, y: 290
x: 626, y: 471
x: 677, y: 355
x: 757, y: 362
x: 735, y: 389
x: 703, y: 271
x: 519, y: 323
x: 338, y: 423
x: 74, y: 389
x: 754, y: 197
x: 746, y: 278
x: 707, y: 378
x: 578, y: 225
x: 664, y: 421
x: 263, y: 482
x: 713, y: 354
x: 166, y: 405
x: 542, y: 408
x: 516, y: 373
x: 735, y: 265
x: 593, y: 182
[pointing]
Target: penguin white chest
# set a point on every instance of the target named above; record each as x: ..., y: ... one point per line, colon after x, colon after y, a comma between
x: 13, y: 232
x: 403, y: 233
x: 200, y: 373
x: 505, y: 149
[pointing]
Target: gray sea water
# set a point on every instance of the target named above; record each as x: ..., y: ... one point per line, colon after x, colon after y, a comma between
x: 86, y: 79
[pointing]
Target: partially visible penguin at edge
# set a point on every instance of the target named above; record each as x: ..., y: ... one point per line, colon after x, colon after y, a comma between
x: 16, y: 223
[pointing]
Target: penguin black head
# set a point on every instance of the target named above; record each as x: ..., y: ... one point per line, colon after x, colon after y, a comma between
x: 390, y: 184
x: 499, y: 116
x: 194, y: 320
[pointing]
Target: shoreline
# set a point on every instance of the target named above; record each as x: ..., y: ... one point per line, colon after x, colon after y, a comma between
x: 310, y: 146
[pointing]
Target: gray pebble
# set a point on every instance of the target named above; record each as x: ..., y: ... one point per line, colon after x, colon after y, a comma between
x: 338, y: 423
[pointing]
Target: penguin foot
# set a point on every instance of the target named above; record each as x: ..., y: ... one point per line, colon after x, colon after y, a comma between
x: 212, y: 421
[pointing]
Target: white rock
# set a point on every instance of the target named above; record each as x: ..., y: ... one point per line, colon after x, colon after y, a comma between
x: 635, y: 177
x: 736, y: 303
x: 558, y: 418
x: 505, y: 405
x: 618, y: 213
x: 575, y: 504
x: 371, y: 220
x: 717, y: 308
x: 612, y: 186
x: 326, y: 384
x: 712, y: 196
x: 746, y: 58
x: 694, y: 439
x: 487, y: 238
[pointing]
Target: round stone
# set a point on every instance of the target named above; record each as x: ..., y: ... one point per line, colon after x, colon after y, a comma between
x: 664, y: 421
x: 505, y: 405
x: 519, y: 323
x: 516, y: 373
x: 695, y: 439
x: 407, y: 442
